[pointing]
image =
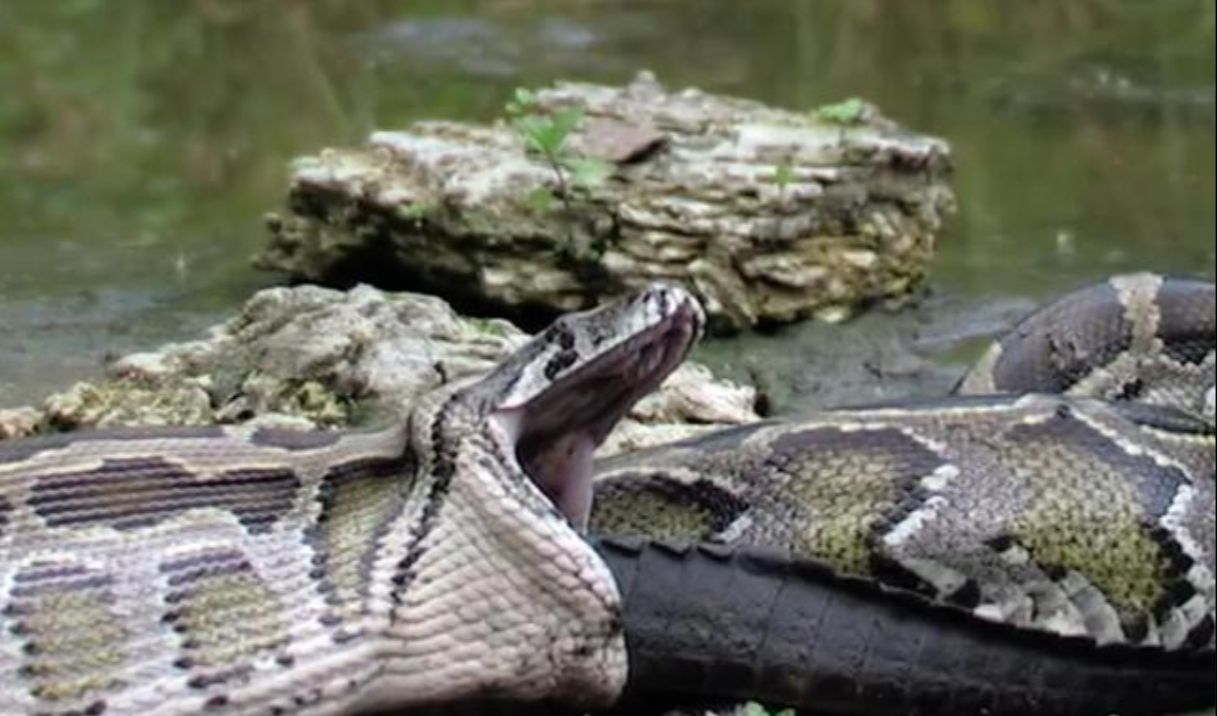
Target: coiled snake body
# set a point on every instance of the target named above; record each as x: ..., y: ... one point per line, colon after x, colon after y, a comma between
x: 241, y: 571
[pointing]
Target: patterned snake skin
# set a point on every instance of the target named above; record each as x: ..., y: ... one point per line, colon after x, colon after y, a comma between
x: 238, y: 571
x: 1140, y: 338
x: 1086, y: 525
x: 229, y: 571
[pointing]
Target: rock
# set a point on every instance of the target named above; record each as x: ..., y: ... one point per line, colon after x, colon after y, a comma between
x: 768, y: 215
x: 315, y: 358
x: 175, y: 401
x: 18, y: 422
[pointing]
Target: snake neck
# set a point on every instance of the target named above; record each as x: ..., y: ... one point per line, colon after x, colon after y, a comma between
x: 440, y: 618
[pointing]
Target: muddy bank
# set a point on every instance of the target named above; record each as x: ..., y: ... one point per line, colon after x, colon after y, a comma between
x: 878, y: 356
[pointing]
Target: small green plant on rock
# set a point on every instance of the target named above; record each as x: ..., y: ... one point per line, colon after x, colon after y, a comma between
x: 418, y: 211
x: 545, y: 133
x: 783, y: 176
x: 752, y: 708
x: 489, y: 326
x: 847, y: 112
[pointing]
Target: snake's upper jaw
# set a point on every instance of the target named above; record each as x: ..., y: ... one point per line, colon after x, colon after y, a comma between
x: 557, y: 429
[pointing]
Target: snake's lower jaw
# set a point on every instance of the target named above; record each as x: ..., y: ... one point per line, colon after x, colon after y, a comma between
x: 570, y: 475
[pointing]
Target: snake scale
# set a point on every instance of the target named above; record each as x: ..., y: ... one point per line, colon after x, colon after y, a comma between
x: 995, y: 555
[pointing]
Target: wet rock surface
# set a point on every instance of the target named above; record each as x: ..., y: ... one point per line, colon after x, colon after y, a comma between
x: 310, y: 358
x: 881, y: 356
x: 768, y: 215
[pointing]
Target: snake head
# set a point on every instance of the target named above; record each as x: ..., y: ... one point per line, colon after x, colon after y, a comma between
x: 501, y: 597
x: 557, y: 399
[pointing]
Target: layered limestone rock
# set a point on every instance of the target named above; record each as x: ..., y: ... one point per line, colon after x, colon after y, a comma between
x: 310, y: 357
x: 767, y: 215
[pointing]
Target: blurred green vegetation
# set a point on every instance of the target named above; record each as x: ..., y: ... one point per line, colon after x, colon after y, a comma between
x: 141, y: 141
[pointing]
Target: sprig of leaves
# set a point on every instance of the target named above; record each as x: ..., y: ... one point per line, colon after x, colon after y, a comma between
x: 545, y: 134
x: 850, y: 111
x: 783, y: 176
x: 752, y: 708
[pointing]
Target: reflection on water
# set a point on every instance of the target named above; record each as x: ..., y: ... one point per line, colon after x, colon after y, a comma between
x: 141, y: 141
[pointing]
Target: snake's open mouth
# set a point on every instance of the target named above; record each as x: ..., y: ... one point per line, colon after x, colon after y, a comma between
x: 558, y: 430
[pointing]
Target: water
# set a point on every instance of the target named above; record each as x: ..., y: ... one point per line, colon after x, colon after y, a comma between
x: 141, y: 142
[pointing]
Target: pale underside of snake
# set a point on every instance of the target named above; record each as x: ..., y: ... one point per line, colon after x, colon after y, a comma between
x: 243, y: 571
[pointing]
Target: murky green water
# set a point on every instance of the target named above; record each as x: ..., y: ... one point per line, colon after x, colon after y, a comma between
x: 140, y: 141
